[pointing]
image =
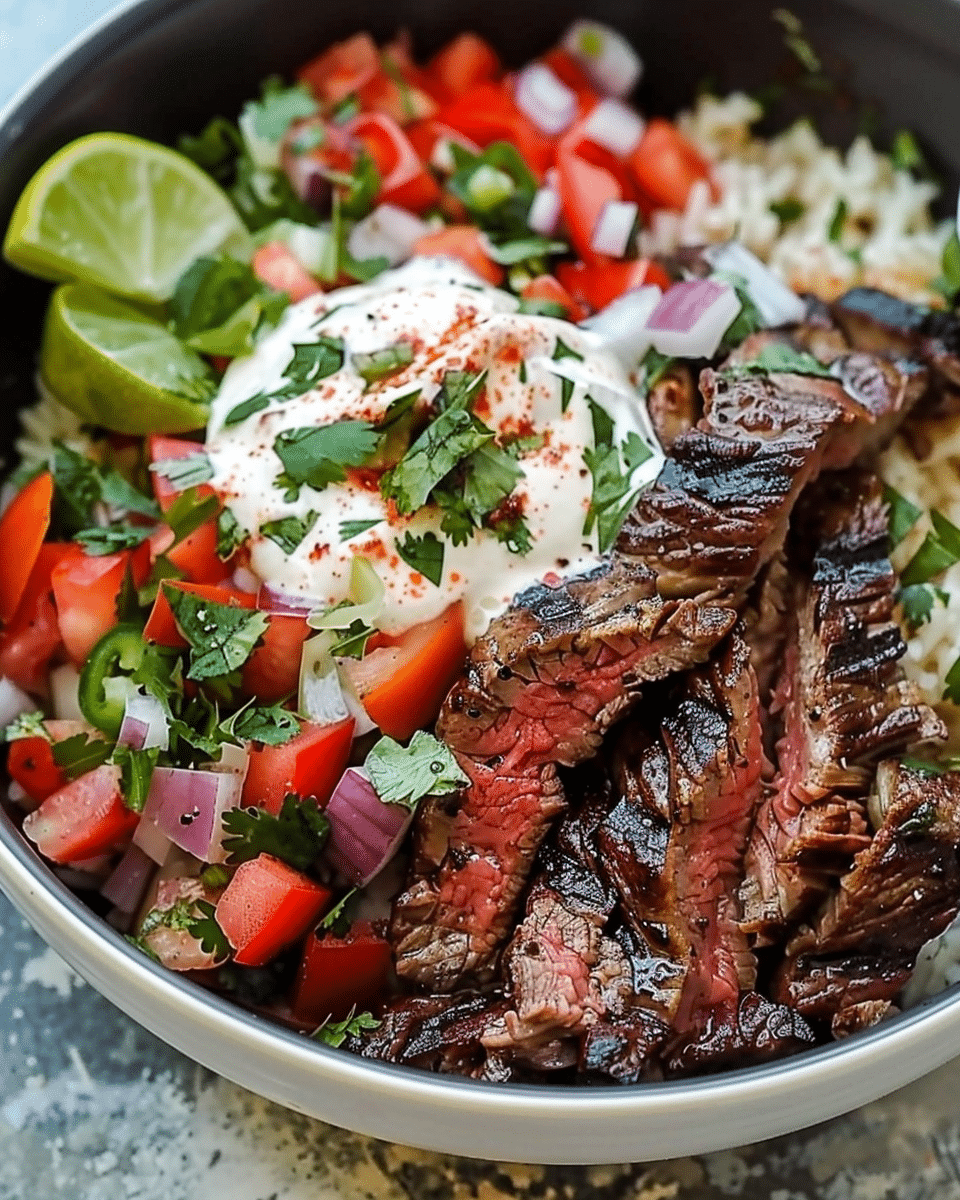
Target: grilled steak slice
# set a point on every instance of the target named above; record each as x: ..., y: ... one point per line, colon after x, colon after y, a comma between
x: 432, y: 1033
x: 674, y: 403
x: 845, y: 705
x: 749, y: 1030
x: 550, y: 676
x: 624, y: 1050
x: 879, y: 323
x: 903, y: 890
x: 448, y: 925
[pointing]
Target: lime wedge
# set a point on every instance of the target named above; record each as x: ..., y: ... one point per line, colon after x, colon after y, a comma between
x: 116, y: 367
x: 120, y: 212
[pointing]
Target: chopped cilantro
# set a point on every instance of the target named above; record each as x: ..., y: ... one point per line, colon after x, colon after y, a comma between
x: 296, y: 835
x: 215, y: 149
x: 951, y: 684
x: 949, y: 282
x: 655, y: 365
x: 358, y: 190
x: 442, y: 445
x: 352, y: 529
x: 502, y: 210
x: 109, y: 539
x: 490, y: 475
x: 311, y: 362
x: 916, y: 604
x: 536, y: 307
x: 508, y: 254
x: 613, y: 493
x: 406, y: 774
x: 81, y: 484
x: 381, y: 364
x: 787, y: 210
x: 219, y: 304
x: 337, y: 920
x: 837, y: 221
x: 902, y: 514
x: 188, y: 512
x: 939, y: 550
x: 272, y: 725
x: 221, y: 636
x: 906, y: 155
x: 27, y: 725
x: 207, y: 931
x: 289, y: 532
x: 279, y: 107
x: 186, y: 472
x: 423, y: 554
x: 246, y: 408
x: 78, y: 754
x: 459, y: 389
x: 354, y: 1024
x: 778, y: 356
x: 561, y: 351
x: 230, y: 534
x: 316, y: 455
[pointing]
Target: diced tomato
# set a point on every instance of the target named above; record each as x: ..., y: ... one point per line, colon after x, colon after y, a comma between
x: 161, y: 628
x: 309, y: 765
x: 197, y: 554
x: 463, y: 242
x: 550, y: 289
x: 400, y: 90
x: 85, y: 591
x: 597, y: 284
x: 267, y: 906
x: 487, y: 113
x: 33, y: 636
x: 404, y: 180
x: 569, y: 71
x: 666, y: 165
x: 424, y: 135
x: 23, y: 527
x: 272, y: 672
x: 343, y: 69
x: 84, y: 818
x: 402, y: 686
x: 340, y: 973
x: 463, y: 63
x: 277, y: 267
x: 586, y: 187
x: 30, y: 760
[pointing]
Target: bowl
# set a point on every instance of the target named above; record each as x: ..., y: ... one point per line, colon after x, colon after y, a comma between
x: 159, y: 67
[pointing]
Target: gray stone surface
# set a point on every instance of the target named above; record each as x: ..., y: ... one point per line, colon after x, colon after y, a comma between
x: 94, y: 1108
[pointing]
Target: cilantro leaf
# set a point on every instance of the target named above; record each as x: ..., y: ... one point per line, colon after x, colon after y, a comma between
x: 337, y: 920
x: 316, y: 455
x: 272, y: 725
x: 902, y: 515
x: 352, y: 529
x: 221, y: 637
x: 136, y: 771
x: 313, y: 361
x: 219, y: 304
x: 108, y: 539
x: 246, y: 408
x: 949, y: 283
x: 508, y: 254
x: 406, y: 774
x: 442, y: 445
x: 906, y: 155
x: 27, y: 725
x: 423, y: 554
x: 501, y: 210
x: 186, y: 472
x: 655, y: 365
x: 788, y: 209
x: 916, y: 604
x: 778, y: 356
x: 951, y: 684
x: 561, y: 351
x: 214, y: 149
x: 458, y: 389
x: 188, y: 512
x: 230, y: 534
x: 263, y: 196
x: 81, y: 484
x: 490, y: 475
x: 354, y: 1024
x: 289, y: 532
x: 613, y: 493
x: 279, y: 107
x: 512, y: 530
x: 381, y: 364
x: 837, y: 221
x: 78, y: 754
x: 207, y: 931
x: 296, y: 835
x: 939, y: 550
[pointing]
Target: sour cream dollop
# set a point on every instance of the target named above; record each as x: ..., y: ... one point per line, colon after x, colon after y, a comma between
x: 534, y: 388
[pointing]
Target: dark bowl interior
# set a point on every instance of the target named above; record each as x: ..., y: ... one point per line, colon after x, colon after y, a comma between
x: 164, y: 66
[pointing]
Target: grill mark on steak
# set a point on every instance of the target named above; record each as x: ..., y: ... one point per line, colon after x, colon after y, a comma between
x: 903, y: 890
x: 845, y: 705
x: 747, y: 1030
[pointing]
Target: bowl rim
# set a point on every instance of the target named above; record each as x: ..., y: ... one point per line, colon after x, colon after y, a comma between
x: 902, y: 1043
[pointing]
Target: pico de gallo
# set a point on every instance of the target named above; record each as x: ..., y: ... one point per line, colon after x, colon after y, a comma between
x: 224, y: 646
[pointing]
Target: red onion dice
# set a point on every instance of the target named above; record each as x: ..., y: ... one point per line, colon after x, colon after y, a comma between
x: 388, y: 232
x: 613, y: 232
x: 187, y: 805
x: 692, y: 317
x: 776, y: 303
x: 545, y: 98
x: 152, y: 841
x: 365, y: 833
x: 544, y: 214
x: 285, y: 604
x: 127, y: 886
x: 615, y: 126
x: 607, y: 57
x: 144, y: 723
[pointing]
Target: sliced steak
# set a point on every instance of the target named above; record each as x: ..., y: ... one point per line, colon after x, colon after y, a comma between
x: 844, y: 701
x: 674, y: 403
x: 626, y: 1049
x: 748, y: 1030
x: 902, y: 890
x: 433, y: 1033
x: 881, y: 324
x: 447, y: 926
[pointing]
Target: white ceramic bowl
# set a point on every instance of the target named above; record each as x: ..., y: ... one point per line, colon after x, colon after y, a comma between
x: 163, y: 65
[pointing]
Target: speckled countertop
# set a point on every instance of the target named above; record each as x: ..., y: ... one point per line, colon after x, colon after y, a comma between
x: 94, y: 1108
